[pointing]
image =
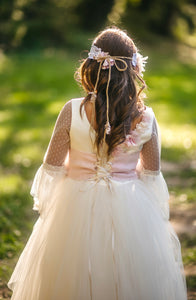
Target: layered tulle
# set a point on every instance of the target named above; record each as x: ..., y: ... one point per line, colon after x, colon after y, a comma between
x: 159, y: 195
x: 44, y: 186
x: 92, y: 242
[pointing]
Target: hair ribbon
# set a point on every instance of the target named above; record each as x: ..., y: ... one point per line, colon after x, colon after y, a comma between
x: 106, y: 61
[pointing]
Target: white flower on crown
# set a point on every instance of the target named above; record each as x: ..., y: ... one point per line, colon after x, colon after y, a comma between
x: 139, y: 61
x: 97, y: 53
x: 134, y: 59
x: 106, y: 63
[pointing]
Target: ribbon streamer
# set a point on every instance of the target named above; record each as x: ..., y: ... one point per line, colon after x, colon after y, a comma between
x: 106, y: 61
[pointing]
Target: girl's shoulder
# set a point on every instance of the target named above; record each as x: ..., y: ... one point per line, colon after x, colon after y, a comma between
x: 148, y: 111
x: 70, y: 105
x: 146, y: 121
x: 76, y: 101
x: 73, y: 101
x: 140, y: 134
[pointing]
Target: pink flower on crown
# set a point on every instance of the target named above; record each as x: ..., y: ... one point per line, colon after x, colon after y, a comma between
x: 106, y: 63
x: 98, y: 54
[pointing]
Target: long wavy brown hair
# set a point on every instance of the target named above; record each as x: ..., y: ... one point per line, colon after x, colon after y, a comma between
x: 125, y: 101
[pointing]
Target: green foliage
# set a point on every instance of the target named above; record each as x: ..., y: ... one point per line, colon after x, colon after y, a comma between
x: 37, y: 23
x: 93, y: 14
x: 191, y: 283
x: 27, y: 24
x: 171, y: 93
x: 31, y: 24
x: 34, y: 88
x: 159, y: 16
x: 10, y: 220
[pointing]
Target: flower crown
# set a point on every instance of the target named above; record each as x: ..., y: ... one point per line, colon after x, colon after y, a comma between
x: 106, y: 61
x: 137, y: 60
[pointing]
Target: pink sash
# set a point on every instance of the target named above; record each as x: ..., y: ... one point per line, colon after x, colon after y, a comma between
x: 83, y: 165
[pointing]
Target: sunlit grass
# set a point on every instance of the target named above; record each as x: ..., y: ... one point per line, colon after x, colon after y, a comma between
x: 10, y: 183
x: 190, y: 256
x: 54, y: 107
x: 4, y: 132
x: 34, y: 87
x: 181, y: 137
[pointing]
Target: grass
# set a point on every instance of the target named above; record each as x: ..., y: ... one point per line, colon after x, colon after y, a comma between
x: 172, y: 93
x: 34, y: 87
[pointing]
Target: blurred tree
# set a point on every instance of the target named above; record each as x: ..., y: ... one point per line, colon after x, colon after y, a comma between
x: 30, y: 23
x: 47, y: 22
x: 93, y: 14
x: 6, y: 28
x: 27, y: 23
x: 158, y: 15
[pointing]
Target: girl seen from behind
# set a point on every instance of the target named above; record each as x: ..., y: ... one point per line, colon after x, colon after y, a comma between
x: 103, y: 232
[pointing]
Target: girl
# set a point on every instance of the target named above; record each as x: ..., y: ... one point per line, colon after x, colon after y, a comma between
x: 103, y: 232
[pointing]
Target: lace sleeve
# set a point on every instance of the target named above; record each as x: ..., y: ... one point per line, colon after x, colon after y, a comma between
x: 149, y: 171
x: 150, y: 153
x: 53, y: 170
x: 60, y: 141
x: 153, y: 180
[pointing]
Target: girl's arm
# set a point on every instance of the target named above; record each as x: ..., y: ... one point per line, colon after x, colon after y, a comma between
x: 53, y: 171
x: 151, y: 153
x: 149, y: 171
x: 59, y: 144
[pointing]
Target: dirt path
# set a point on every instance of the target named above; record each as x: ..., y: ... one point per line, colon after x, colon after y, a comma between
x: 183, y: 221
x: 183, y: 214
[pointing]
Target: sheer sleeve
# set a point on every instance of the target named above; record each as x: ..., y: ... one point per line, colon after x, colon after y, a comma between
x: 53, y: 170
x: 149, y: 171
x: 150, y: 153
x: 60, y: 141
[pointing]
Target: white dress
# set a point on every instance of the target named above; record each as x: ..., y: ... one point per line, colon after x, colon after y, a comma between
x: 103, y: 232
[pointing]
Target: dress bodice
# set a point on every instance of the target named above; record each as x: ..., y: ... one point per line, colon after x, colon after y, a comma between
x: 70, y: 154
x: 83, y: 160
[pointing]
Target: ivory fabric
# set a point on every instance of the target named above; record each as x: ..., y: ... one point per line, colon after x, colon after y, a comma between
x: 103, y: 231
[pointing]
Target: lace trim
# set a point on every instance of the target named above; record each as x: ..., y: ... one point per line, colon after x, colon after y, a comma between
x: 59, y: 169
x: 145, y: 123
x: 151, y: 173
x: 141, y: 134
x: 142, y: 171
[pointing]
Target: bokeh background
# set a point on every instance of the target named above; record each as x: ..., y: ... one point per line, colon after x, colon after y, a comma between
x: 41, y: 44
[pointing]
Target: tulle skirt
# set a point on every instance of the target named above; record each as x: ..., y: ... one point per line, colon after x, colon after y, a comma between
x: 92, y: 242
